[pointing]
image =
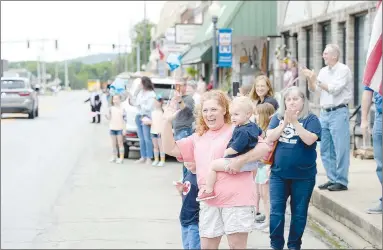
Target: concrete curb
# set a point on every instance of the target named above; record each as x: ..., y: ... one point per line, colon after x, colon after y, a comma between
x: 339, y: 236
x: 345, y: 222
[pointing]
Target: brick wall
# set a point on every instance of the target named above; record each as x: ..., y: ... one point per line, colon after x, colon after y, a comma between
x: 336, y: 18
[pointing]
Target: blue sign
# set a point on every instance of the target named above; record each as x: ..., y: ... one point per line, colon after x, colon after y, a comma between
x: 225, y: 54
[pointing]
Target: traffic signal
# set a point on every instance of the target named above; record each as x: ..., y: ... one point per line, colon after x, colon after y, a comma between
x: 114, y: 46
x: 56, y: 44
x: 28, y: 44
x: 89, y: 46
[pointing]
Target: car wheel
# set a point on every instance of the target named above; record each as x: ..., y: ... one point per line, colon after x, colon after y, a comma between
x: 126, y: 151
x: 31, y: 114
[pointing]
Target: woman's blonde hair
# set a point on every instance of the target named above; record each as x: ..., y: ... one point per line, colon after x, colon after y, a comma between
x: 264, y: 111
x: 253, y: 93
x: 223, y: 101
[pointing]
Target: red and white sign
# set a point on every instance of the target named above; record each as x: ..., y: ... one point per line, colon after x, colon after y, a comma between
x: 373, y: 73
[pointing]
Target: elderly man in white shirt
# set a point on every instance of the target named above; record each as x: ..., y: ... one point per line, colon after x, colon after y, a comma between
x: 334, y: 82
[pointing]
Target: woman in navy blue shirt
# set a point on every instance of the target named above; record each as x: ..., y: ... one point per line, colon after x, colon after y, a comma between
x: 294, y: 168
x: 262, y: 92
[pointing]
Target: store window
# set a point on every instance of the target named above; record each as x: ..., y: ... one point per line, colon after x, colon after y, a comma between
x: 326, y: 36
x: 295, y: 36
x: 286, y: 41
x: 342, y: 31
x: 360, y: 53
x: 309, y: 54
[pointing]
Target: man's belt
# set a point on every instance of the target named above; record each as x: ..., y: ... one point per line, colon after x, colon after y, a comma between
x: 336, y: 107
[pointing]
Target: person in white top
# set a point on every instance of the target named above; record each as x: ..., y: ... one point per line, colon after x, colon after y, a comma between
x: 117, y: 120
x: 155, y: 123
x: 334, y: 83
x: 144, y: 103
x: 201, y: 85
x: 192, y: 90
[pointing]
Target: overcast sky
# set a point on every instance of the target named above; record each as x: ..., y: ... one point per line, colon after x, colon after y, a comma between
x: 73, y: 23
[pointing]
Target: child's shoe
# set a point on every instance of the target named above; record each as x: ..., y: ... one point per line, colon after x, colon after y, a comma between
x: 161, y: 164
x: 155, y: 163
x: 112, y: 159
x: 259, y: 218
x: 119, y: 161
x: 262, y: 226
x: 206, y: 196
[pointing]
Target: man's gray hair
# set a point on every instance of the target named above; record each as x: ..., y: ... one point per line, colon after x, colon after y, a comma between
x: 192, y: 84
x: 335, y: 50
x: 306, y: 105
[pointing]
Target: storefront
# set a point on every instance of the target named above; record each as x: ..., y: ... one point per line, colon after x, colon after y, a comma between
x: 251, y: 22
x: 347, y: 24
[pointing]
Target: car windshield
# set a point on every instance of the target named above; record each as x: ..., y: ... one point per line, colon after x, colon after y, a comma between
x: 163, y: 89
x: 160, y: 88
x: 122, y: 82
x: 12, y: 84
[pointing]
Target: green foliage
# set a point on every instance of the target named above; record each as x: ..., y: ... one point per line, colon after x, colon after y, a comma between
x: 140, y: 30
x: 78, y: 73
x: 191, y: 71
x: 226, y: 84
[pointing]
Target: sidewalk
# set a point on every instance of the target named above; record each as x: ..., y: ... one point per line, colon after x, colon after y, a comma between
x: 348, y: 207
x: 127, y: 206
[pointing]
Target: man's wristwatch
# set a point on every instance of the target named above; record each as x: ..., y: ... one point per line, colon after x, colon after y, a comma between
x: 318, y: 83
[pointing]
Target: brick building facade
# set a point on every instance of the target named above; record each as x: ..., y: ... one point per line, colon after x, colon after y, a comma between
x: 347, y: 24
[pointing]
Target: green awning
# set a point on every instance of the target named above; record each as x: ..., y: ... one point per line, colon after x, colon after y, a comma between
x: 200, y: 50
x: 228, y: 10
x: 197, y: 54
x: 255, y: 19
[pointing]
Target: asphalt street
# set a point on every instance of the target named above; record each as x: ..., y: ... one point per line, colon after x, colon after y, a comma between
x: 58, y: 189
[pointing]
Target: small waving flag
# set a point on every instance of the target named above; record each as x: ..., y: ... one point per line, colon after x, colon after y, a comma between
x: 162, y: 55
x: 373, y: 72
x: 173, y: 61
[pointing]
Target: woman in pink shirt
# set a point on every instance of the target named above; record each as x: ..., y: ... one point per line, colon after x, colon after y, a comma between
x: 232, y: 211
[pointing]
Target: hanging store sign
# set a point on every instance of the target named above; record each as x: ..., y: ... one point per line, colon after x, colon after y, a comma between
x: 225, y: 54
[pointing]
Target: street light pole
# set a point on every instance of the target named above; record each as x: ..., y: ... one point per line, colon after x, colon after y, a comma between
x: 145, y: 30
x: 214, y: 50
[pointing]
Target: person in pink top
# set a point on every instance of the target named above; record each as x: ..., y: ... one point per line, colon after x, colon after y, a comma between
x: 231, y: 213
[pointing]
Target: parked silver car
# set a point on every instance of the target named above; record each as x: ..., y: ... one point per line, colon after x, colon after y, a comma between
x: 18, y: 96
x: 162, y: 86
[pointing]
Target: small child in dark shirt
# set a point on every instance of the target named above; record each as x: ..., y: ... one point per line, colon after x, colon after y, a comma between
x: 189, y: 215
x: 244, y: 138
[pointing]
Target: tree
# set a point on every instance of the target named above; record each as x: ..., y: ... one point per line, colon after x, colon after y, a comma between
x: 145, y: 26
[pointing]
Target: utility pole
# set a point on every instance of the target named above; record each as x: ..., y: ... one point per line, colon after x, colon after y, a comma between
x: 56, y: 70
x: 138, y: 51
x: 119, y: 54
x: 38, y: 71
x: 145, y: 31
x: 126, y: 59
x: 66, y: 74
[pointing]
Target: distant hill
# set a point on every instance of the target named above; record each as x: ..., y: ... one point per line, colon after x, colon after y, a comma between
x: 97, y: 58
